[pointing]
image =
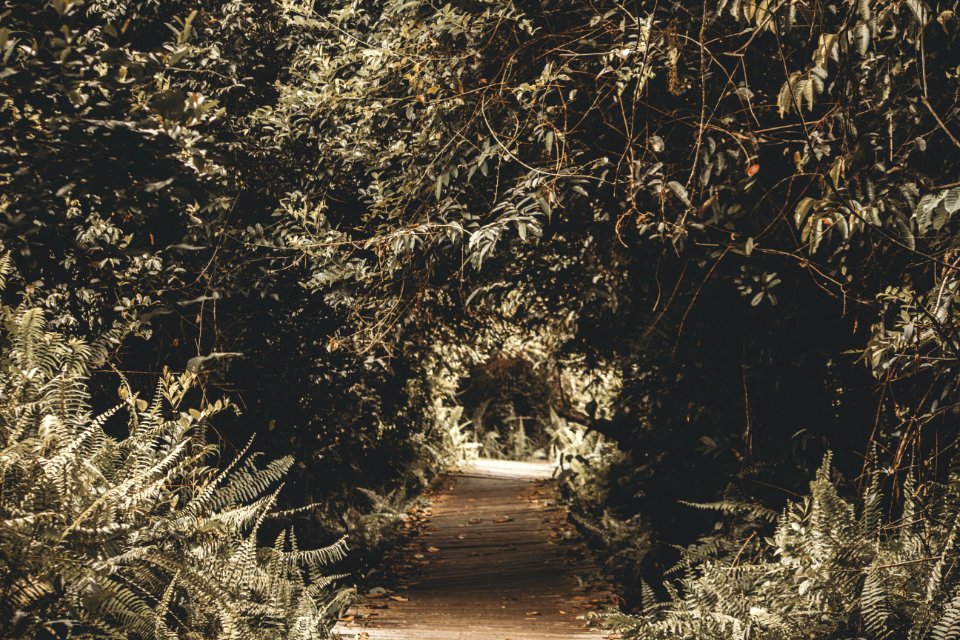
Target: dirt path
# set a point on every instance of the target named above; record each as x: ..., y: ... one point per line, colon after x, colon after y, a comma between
x: 495, y: 560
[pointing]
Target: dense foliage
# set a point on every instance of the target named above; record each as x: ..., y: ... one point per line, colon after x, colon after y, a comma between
x: 719, y: 203
x: 641, y: 237
x: 136, y: 536
x: 827, y: 572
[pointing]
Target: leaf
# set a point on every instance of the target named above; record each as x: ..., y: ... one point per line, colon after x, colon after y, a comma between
x: 808, y: 93
x: 861, y: 35
x: 803, y: 208
x: 785, y: 99
x: 836, y: 170
x: 919, y: 11
x: 157, y: 186
x: 680, y: 191
x: 187, y: 30
x: 926, y: 205
x: 951, y: 200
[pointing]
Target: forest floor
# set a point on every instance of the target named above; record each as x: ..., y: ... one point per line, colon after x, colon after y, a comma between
x: 492, y: 558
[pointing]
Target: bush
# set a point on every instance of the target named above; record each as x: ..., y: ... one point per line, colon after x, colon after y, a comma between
x: 827, y: 572
x: 136, y: 536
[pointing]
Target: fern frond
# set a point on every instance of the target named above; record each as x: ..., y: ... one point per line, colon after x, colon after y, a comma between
x: 136, y: 538
x: 948, y: 626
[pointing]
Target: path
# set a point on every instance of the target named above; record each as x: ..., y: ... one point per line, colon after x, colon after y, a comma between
x: 496, y: 560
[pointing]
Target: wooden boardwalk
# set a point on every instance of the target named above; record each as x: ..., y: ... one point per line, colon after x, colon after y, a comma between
x: 494, y: 560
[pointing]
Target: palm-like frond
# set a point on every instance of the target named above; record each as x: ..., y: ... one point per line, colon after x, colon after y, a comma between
x: 136, y: 537
x: 827, y: 572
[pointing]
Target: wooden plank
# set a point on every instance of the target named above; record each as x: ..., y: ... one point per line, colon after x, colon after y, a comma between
x: 496, y: 560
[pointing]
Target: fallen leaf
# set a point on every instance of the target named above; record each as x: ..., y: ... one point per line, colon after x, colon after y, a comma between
x: 433, y: 549
x: 399, y: 598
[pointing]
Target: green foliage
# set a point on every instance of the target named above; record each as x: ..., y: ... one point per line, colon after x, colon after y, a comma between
x: 115, y: 127
x: 683, y: 217
x: 827, y: 572
x: 135, y: 535
x: 459, y: 157
x: 691, y: 195
x: 132, y: 190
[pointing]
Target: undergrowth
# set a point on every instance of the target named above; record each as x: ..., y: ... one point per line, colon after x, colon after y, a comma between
x: 830, y: 569
x: 139, y: 534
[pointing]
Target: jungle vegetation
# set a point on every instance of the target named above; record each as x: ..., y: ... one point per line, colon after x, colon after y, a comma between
x: 702, y: 254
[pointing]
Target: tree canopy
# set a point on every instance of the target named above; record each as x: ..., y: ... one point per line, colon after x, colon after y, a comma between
x: 720, y: 234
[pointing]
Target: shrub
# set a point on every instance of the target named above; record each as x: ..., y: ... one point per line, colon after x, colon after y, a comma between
x: 136, y: 536
x: 827, y: 572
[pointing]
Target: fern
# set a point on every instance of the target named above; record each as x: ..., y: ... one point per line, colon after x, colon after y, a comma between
x: 827, y: 572
x: 136, y: 537
x: 948, y: 627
